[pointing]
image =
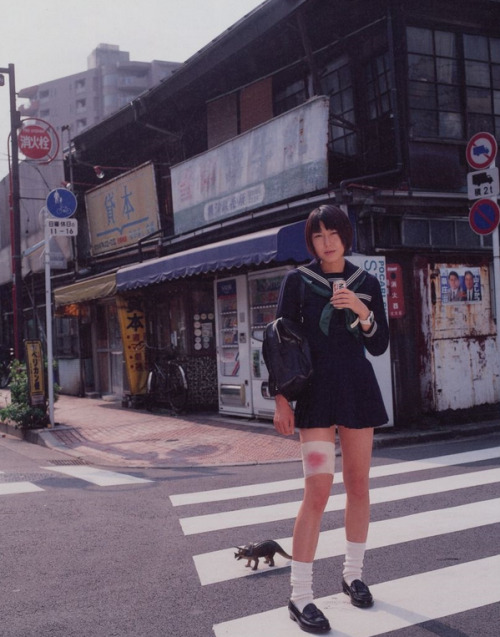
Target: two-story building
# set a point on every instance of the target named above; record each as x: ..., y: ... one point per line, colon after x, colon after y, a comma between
x: 206, y: 181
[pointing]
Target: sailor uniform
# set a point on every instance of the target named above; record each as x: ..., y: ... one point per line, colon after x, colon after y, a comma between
x: 343, y: 389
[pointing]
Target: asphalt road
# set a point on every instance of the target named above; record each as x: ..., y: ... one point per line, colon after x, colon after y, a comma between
x: 144, y: 553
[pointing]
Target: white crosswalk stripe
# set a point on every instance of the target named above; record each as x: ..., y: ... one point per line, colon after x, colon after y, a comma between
x: 100, y: 477
x: 396, y: 605
x: 383, y: 533
x: 270, y: 513
x: 11, y: 488
x: 400, y: 603
x: 398, y: 468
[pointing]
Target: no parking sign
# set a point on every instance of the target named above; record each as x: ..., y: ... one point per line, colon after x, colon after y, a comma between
x: 484, y: 216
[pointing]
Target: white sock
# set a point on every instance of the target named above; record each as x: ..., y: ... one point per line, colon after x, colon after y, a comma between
x: 301, y: 579
x: 353, y: 565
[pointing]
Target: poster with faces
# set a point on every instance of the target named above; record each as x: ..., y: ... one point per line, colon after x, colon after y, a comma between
x: 460, y: 284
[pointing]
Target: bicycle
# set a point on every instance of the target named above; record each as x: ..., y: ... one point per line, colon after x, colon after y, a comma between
x: 166, y: 382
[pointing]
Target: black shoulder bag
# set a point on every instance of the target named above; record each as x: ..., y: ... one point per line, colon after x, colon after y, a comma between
x: 287, y: 356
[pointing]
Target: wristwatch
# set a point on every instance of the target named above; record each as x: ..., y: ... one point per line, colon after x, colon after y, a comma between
x: 370, y: 320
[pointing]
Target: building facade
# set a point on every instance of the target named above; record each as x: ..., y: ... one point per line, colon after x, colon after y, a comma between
x: 70, y: 105
x: 84, y: 99
x: 368, y: 105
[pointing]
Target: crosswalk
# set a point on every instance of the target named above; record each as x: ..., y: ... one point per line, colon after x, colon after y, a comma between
x: 469, y: 479
x: 88, y: 474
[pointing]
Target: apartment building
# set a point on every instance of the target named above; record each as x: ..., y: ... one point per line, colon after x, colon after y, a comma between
x: 112, y: 80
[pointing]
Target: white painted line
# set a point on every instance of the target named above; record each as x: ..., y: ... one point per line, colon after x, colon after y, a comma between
x: 332, y: 543
x: 10, y: 488
x: 100, y: 477
x: 287, y: 510
x: 396, y: 468
x: 399, y: 604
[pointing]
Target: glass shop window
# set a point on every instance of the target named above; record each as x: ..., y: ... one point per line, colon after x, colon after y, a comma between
x: 66, y: 337
x: 202, y: 322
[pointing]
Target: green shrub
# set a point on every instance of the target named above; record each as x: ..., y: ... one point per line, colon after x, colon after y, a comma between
x: 19, y: 410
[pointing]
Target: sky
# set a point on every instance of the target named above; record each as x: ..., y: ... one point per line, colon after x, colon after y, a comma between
x: 52, y: 39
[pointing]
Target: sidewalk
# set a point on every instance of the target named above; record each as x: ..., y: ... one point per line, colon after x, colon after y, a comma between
x: 105, y: 433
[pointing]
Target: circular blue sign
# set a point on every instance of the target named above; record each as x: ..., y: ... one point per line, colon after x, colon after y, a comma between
x: 61, y: 203
x: 484, y: 216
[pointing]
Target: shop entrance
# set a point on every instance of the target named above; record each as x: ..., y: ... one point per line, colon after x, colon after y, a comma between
x: 109, y: 350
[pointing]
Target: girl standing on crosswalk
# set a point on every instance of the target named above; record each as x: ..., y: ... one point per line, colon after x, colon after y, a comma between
x: 343, y: 396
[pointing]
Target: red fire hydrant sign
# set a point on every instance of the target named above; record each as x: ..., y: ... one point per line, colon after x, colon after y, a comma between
x: 38, y: 141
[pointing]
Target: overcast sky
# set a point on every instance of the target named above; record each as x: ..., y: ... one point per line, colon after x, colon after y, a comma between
x: 52, y: 38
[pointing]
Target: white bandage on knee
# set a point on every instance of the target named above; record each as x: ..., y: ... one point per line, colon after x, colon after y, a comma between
x: 318, y: 457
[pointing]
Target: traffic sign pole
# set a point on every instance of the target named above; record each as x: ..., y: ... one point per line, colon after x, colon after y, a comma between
x: 48, y: 316
x: 496, y: 276
x: 61, y: 204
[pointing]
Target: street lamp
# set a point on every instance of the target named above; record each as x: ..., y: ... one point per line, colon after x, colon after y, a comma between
x: 15, y: 217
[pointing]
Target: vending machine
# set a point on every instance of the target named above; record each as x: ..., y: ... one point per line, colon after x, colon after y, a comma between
x: 244, y: 306
x: 233, y: 363
x: 264, y: 290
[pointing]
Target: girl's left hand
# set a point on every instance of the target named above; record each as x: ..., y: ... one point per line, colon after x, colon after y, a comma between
x: 346, y: 299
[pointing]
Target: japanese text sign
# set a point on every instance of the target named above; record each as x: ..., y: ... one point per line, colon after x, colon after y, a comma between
x: 123, y: 210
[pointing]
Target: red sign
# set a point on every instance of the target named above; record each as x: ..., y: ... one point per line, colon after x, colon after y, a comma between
x: 37, y: 140
x: 484, y: 216
x: 34, y: 142
x: 481, y: 150
x: 395, y: 294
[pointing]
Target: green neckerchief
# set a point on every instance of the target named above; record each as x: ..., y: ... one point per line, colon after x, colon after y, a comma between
x: 321, y: 286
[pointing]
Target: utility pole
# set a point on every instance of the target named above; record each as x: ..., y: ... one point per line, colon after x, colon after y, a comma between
x: 15, y: 219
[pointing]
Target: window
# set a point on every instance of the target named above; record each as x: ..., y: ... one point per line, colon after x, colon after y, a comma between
x: 420, y: 231
x: 337, y: 84
x: 81, y: 124
x: 81, y: 105
x: 439, y: 106
x: 66, y: 333
x: 80, y: 85
x: 184, y: 320
x: 439, y: 233
x: 434, y: 84
x: 289, y: 90
x: 378, y: 86
x: 482, y: 80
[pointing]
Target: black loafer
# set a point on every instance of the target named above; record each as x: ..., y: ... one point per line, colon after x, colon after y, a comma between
x: 311, y: 619
x: 359, y: 593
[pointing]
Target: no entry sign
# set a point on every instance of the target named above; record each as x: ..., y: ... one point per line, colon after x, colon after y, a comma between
x: 481, y: 150
x: 484, y: 216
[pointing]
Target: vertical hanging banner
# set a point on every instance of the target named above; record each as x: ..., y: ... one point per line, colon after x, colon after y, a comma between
x: 133, y: 331
x: 35, y: 370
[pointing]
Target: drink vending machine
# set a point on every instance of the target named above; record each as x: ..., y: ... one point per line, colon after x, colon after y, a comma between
x: 264, y: 290
x: 244, y: 306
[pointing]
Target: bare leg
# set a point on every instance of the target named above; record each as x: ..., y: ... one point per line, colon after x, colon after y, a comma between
x: 316, y: 493
x: 356, y: 458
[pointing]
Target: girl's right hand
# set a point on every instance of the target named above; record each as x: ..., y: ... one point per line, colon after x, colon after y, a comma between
x: 284, y: 418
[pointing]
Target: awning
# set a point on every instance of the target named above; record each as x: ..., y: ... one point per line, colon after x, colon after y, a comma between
x: 279, y: 245
x: 98, y: 287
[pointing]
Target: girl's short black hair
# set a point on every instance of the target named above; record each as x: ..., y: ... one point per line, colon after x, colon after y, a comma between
x: 333, y: 218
